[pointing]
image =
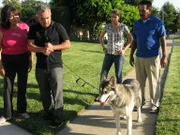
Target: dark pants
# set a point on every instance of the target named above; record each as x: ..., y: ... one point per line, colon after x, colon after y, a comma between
x: 15, y: 64
x: 118, y: 61
x: 51, y: 91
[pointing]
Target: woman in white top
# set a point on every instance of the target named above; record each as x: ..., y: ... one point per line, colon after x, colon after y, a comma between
x: 115, y: 49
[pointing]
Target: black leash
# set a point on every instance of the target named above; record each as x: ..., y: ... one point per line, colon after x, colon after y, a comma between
x: 80, y: 78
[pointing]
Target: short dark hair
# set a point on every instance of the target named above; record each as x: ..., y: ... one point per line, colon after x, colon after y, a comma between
x: 146, y: 2
x: 5, y: 14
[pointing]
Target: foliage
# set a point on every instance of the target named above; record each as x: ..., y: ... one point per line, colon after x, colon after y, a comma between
x: 15, y: 3
x: 85, y: 60
x: 168, y: 13
x: 28, y: 8
x: 129, y: 14
x: 98, y: 12
x: 177, y: 22
x: 155, y: 11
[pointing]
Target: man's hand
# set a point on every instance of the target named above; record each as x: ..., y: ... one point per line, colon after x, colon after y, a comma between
x: 131, y: 61
x: 163, y: 61
x: 48, y: 49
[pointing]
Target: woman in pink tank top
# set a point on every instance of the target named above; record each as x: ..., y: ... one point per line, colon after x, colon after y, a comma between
x: 15, y: 58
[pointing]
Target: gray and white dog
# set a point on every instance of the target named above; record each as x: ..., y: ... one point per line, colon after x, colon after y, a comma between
x: 122, y: 98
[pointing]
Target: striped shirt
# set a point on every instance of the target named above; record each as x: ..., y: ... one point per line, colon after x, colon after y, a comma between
x: 115, y: 38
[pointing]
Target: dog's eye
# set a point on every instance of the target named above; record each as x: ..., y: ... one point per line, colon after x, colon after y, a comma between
x: 105, y: 92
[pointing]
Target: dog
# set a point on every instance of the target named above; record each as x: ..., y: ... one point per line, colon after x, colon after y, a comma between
x: 122, y: 98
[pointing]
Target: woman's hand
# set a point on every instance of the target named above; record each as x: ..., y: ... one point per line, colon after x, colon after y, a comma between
x: 30, y: 65
x: 122, y: 52
x: 105, y: 50
x: 2, y: 72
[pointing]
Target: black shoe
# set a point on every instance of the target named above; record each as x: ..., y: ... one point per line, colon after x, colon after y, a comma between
x: 48, y: 117
x: 55, y: 125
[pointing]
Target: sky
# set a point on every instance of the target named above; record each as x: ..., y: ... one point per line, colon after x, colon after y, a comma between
x: 22, y: 0
x: 156, y: 3
x: 160, y: 3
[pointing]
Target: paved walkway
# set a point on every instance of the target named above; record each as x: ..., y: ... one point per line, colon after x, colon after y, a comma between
x: 99, y: 121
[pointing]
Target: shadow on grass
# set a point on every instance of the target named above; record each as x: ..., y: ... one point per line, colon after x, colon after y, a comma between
x: 37, y: 125
x: 90, y: 51
x: 78, y: 92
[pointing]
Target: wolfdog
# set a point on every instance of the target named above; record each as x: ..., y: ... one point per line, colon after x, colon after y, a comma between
x: 122, y: 98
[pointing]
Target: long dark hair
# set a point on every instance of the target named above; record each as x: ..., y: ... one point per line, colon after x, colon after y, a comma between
x: 5, y: 14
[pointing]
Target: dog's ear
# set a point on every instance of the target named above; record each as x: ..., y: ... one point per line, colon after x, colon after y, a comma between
x: 112, y: 81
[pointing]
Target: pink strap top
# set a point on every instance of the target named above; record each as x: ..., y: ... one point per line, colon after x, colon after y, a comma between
x: 15, y: 41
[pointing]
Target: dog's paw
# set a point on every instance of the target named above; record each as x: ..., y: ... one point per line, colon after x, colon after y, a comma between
x: 124, y: 117
x: 119, y: 133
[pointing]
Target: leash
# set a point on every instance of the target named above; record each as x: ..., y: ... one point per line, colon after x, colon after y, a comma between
x: 80, y: 78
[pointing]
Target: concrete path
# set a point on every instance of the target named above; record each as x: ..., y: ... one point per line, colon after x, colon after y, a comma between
x: 11, y: 129
x: 99, y: 121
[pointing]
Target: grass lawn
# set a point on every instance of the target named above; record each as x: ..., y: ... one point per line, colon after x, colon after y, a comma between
x: 85, y: 59
x: 177, y: 40
x: 168, y: 122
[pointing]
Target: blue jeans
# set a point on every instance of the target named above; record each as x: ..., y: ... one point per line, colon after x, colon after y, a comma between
x: 118, y: 61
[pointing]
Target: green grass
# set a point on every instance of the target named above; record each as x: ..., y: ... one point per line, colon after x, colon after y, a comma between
x: 85, y: 59
x: 177, y: 40
x: 168, y: 122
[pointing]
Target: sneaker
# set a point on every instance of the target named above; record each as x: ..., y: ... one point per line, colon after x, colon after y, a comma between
x: 55, y: 125
x: 154, y: 110
x: 2, y: 120
x: 24, y: 115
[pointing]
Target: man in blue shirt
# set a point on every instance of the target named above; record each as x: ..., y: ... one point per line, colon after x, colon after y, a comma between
x: 148, y: 35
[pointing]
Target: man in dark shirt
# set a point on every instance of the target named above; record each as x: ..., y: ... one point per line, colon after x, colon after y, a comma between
x: 48, y: 39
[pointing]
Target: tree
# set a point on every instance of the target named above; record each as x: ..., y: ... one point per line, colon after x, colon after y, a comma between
x: 177, y: 22
x: 155, y: 11
x: 168, y: 13
x: 93, y: 13
x: 15, y: 3
x: 29, y: 8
